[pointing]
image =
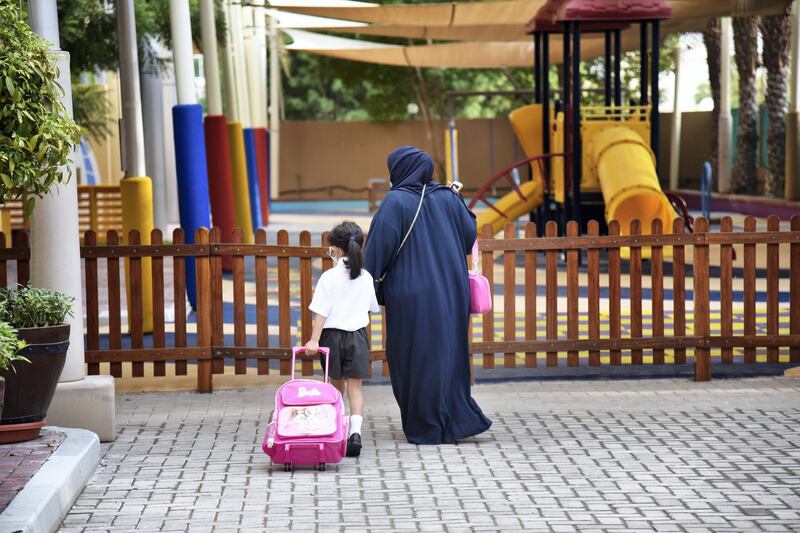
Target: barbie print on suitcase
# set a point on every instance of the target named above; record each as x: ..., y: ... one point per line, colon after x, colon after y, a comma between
x: 308, y: 426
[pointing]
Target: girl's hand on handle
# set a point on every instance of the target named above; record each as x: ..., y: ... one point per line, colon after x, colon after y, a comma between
x: 312, y: 347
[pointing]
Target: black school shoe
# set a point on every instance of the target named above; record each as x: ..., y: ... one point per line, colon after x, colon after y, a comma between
x: 354, y: 445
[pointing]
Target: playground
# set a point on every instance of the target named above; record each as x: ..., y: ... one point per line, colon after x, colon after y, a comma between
x: 641, y: 355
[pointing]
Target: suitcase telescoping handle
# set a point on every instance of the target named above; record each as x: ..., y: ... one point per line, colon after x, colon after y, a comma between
x: 300, y: 349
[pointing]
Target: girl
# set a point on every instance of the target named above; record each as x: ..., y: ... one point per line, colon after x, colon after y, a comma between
x: 343, y: 299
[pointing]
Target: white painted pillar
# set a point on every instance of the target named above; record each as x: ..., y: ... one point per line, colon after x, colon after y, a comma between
x: 208, y: 31
x: 792, y: 184
x: 153, y: 123
x: 274, y: 110
x: 169, y: 100
x: 237, y: 52
x: 725, y: 133
x: 132, y: 152
x: 675, y: 138
x: 182, y: 53
x: 253, y: 66
x: 231, y: 99
x: 55, y: 240
x: 260, y: 33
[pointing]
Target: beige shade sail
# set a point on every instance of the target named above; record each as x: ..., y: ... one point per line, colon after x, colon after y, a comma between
x: 447, y: 55
x: 501, y: 12
x: 498, y: 12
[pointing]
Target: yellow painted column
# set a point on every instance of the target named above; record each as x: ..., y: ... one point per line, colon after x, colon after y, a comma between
x: 137, y: 213
x: 5, y: 224
x: 241, y: 195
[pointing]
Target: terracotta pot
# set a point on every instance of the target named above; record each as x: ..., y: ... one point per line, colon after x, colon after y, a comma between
x: 29, y: 390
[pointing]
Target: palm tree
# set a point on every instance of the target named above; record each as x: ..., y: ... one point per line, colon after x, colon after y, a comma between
x: 776, y: 31
x: 745, y: 40
x: 711, y: 38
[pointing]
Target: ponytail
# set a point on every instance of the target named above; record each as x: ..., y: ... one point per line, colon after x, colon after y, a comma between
x: 349, y: 238
x: 355, y: 258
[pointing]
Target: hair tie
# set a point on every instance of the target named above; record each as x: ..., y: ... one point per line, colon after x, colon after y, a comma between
x: 352, y: 238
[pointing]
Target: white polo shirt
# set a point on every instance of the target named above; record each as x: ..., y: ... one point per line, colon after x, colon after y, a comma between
x: 346, y: 303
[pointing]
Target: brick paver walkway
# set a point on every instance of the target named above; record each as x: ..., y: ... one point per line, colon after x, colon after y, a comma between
x: 20, y: 461
x: 669, y: 455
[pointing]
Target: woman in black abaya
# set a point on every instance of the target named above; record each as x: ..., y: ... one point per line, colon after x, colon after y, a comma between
x: 426, y: 293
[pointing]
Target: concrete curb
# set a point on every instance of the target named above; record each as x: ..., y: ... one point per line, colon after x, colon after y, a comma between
x: 50, y: 493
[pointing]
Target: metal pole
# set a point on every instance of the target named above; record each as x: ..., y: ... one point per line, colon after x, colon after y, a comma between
x: 675, y: 142
x: 132, y: 152
x: 655, y: 96
x: 577, y: 151
x: 274, y: 110
x: 208, y: 30
x: 792, y: 186
x: 607, y: 67
x: 566, y: 84
x: 617, y: 68
x: 725, y: 133
x: 537, y: 67
x: 643, y: 65
x: 546, y: 97
x: 55, y: 244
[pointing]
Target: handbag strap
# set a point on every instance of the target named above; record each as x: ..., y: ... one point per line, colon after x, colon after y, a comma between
x: 475, y: 256
x: 416, y: 216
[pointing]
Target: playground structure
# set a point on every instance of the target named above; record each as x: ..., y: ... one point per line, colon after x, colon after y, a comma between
x: 587, y: 162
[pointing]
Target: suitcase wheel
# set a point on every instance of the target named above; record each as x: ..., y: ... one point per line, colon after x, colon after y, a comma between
x: 322, y: 467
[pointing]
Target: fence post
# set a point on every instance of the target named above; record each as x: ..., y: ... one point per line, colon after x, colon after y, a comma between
x: 702, y: 355
x: 203, y: 271
x: 509, y: 296
x: 794, y: 292
x: 487, y: 265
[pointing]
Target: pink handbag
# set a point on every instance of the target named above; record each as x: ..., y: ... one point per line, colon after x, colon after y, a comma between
x: 480, y: 295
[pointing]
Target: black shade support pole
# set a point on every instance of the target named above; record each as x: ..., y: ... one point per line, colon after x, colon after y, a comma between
x: 566, y: 97
x: 577, y: 152
x: 607, y: 68
x: 537, y: 67
x: 546, y: 97
x: 546, y: 126
x: 617, y: 67
x: 644, y: 82
x: 655, y: 94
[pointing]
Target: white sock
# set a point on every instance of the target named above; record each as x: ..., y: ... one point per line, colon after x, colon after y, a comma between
x: 355, y: 424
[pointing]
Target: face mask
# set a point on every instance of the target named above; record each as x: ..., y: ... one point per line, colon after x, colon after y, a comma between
x: 332, y: 253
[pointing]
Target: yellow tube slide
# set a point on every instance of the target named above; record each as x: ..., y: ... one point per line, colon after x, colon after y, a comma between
x: 625, y: 168
x: 527, y: 124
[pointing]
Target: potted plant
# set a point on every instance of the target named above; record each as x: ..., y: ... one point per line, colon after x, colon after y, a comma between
x: 10, y: 345
x: 38, y: 315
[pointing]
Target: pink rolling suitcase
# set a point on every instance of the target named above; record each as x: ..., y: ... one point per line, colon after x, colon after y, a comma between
x: 308, y: 425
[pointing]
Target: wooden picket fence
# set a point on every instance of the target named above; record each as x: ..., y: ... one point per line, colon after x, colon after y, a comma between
x: 594, y: 266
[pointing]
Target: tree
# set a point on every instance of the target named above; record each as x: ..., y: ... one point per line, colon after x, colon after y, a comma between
x: 745, y: 38
x: 37, y: 135
x: 711, y: 38
x: 776, y: 31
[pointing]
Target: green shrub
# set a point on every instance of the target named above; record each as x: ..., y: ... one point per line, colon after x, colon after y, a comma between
x: 32, y: 307
x: 10, y: 345
x: 37, y: 135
